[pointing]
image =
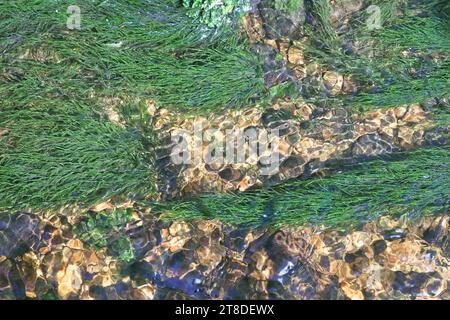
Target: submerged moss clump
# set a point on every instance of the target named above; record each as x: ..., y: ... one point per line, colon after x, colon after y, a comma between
x: 215, y: 13
x: 416, y: 183
x: 106, y: 230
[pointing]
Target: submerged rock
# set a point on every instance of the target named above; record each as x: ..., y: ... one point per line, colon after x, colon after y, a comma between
x: 309, y: 139
x: 18, y: 234
x: 212, y: 260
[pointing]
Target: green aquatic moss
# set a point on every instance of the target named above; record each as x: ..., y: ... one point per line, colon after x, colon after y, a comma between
x: 217, y: 13
x: 289, y: 6
x: 57, y: 145
x: 149, y: 49
x: 106, y: 230
x: 56, y: 155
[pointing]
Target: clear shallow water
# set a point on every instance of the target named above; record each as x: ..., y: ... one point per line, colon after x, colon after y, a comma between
x: 77, y: 130
x: 385, y: 259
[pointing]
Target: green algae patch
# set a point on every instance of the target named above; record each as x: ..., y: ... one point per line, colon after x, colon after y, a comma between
x: 145, y: 49
x: 217, y: 13
x: 57, y: 145
x: 58, y: 155
x: 106, y: 230
x: 405, y: 60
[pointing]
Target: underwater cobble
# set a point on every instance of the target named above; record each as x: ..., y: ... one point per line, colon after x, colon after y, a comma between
x: 310, y: 140
x: 384, y: 259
